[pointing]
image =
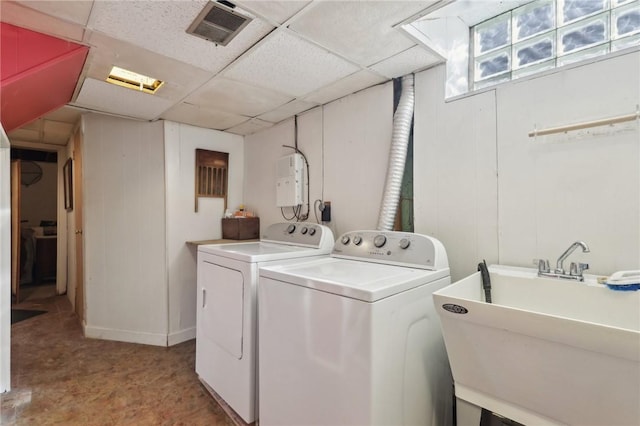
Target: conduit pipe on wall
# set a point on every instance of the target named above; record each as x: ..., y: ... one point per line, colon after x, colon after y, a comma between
x: 398, y: 155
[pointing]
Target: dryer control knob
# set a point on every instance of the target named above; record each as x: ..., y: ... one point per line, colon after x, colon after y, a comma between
x: 304, y: 230
x: 312, y: 231
x: 291, y: 229
x: 404, y: 243
x: 357, y: 240
x: 345, y: 240
x: 379, y: 240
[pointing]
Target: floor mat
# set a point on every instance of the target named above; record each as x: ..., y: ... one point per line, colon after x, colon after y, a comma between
x: 18, y: 315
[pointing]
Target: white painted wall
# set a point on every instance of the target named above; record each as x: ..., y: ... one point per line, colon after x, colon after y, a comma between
x: 481, y: 185
x: 125, y: 245
x: 455, y: 183
x: 39, y: 201
x: 262, y: 150
x: 183, y: 223
x: 347, y: 145
x: 582, y: 185
x: 357, y: 140
x: 5, y: 263
x: 549, y: 191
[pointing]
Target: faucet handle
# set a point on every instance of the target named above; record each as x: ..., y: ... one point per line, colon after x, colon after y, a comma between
x: 573, y: 269
x: 577, y: 269
x: 543, y: 265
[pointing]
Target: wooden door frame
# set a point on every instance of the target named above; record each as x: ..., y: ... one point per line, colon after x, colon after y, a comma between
x: 78, y: 220
x: 16, y: 270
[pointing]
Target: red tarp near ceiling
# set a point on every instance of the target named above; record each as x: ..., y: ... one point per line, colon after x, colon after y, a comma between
x: 38, y: 74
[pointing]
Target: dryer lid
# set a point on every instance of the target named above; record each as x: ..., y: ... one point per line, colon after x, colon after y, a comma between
x: 260, y: 251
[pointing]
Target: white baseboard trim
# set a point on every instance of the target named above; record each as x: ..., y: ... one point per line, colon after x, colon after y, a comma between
x: 181, y: 336
x: 155, y: 339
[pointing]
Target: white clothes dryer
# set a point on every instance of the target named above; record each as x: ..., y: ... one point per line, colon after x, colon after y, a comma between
x: 226, y: 328
x: 354, y: 338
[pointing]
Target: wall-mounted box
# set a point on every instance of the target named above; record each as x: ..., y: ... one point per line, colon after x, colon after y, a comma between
x: 290, y: 181
x: 241, y: 228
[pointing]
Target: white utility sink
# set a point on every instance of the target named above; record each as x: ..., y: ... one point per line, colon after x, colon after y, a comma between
x: 546, y: 351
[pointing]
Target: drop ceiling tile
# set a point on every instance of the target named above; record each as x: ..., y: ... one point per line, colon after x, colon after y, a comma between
x: 160, y: 26
x: 113, y: 99
x: 276, y: 11
x: 66, y: 114
x: 288, y: 64
x: 25, y: 135
x: 57, y: 132
x: 348, y: 85
x: 203, y: 117
x: 359, y: 30
x: 237, y: 98
x: 57, y: 141
x: 72, y: 11
x: 34, y: 125
x: 472, y: 12
x: 57, y: 127
x: 287, y: 110
x: 21, y: 16
x: 249, y: 127
x: 180, y: 78
x: 414, y: 59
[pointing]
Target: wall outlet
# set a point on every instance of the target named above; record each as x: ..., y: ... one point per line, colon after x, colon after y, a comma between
x: 326, y: 211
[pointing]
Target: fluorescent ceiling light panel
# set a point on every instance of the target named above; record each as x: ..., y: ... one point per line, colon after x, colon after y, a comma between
x: 105, y: 97
x: 133, y: 80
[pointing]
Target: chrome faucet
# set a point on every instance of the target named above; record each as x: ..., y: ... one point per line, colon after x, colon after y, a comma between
x: 575, y: 270
x: 563, y: 256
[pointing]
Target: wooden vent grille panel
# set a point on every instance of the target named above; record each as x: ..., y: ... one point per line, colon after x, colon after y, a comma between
x: 212, y: 181
x: 212, y: 171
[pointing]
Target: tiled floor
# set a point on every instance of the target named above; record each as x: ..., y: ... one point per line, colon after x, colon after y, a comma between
x: 59, y: 377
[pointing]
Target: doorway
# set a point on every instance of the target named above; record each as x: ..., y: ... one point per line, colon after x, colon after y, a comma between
x: 35, y: 195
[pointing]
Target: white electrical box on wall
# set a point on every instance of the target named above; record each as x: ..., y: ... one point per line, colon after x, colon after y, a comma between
x: 289, y: 181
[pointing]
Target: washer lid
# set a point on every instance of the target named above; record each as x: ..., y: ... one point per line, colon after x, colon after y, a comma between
x: 361, y: 280
x: 259, y: 251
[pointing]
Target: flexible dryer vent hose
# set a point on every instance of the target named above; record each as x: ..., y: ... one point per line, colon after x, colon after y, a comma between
x: 398, y: 155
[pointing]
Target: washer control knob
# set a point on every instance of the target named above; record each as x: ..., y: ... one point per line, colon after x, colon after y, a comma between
x: 304, y: 230
x: 291, y: 229
x: 312, y: 231
x: 405, y: 243
x: 345, y: 240
x: 379, y: 240
x: 357, y: 240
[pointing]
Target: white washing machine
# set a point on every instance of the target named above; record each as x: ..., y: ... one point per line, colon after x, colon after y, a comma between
x: 354, y: 338
x: 226, y: 329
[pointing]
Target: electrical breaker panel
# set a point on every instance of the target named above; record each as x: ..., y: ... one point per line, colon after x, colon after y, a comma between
x: 290, y: 181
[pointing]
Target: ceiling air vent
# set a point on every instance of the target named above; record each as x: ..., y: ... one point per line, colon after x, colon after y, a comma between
x: 218, y: 23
